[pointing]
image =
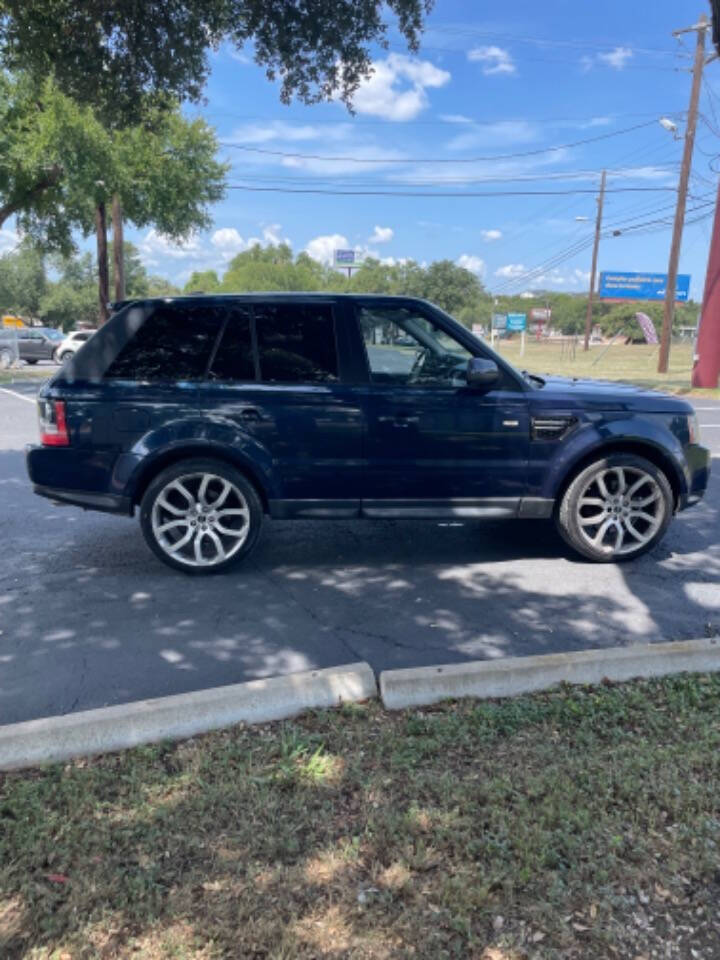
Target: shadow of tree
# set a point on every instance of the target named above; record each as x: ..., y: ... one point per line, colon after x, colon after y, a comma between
x: 89, y: 616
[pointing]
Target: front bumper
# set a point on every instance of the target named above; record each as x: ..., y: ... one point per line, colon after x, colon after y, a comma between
x: 698, y: 460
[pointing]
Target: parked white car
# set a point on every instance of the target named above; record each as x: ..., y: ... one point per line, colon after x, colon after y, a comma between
x: 72, y: 343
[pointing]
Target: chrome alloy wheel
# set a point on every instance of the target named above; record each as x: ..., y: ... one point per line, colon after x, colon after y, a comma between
x: 200, y: 519
x: 620, y: 510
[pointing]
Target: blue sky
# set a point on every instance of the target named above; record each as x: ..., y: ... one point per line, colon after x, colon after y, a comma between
x: 491, y: 80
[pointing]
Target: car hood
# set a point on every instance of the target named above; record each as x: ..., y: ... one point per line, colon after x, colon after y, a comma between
x: 611, y: 395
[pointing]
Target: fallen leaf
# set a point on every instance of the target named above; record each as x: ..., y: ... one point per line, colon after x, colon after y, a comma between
x: 593, y: 911
x: 57, y: 878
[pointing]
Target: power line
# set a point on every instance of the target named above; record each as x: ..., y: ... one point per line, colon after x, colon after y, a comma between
x: 406, y: 160
x: 438, y: 193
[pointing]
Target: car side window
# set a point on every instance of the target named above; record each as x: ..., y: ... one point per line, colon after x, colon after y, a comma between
x: 405, y: 347
x: 174, y: 343
x: 234, y: 359
x: 296, y: 343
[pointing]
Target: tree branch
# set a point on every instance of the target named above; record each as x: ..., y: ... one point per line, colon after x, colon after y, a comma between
x: 51, y: 178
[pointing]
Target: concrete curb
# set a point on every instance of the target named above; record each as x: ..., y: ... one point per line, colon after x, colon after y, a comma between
x: 516, y: 675
x: 54, y: 739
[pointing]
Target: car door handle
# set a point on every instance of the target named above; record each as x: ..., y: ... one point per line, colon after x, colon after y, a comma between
x: 250, y: 413
x: 400, y: 419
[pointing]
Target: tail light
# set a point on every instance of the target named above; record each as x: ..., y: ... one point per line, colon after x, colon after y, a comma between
x: 53, y: 425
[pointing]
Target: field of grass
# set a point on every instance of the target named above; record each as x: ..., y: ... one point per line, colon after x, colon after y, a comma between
x: 632, y: 364
x: 581, y: 823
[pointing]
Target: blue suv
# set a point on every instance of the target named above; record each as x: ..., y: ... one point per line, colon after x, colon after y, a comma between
x: 206, y: 413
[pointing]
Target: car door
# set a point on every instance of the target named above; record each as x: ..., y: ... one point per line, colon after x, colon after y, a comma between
x: 436, y: 446
x: 279, y: 374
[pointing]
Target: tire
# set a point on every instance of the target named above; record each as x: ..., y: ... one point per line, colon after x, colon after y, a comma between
x: 175, y: 522
x: 66, y: 355
x: 616, y: 508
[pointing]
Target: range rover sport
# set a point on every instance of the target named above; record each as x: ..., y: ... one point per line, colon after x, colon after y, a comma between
x: 207, y: 413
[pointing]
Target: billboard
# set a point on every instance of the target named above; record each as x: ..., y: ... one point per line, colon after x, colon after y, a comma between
x: 499, y: 321
x: 516, y: 322
x: 541, y: 314
x: 346, y: 258
x: 623, y: 285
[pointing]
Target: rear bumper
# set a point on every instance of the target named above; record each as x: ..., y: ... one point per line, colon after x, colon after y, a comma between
x: 698, y: 460
x: 60, y: 475
x: 107, y: 502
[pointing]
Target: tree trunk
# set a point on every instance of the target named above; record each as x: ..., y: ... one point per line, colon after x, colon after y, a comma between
x: 102, y: 259
x: 118, y: 248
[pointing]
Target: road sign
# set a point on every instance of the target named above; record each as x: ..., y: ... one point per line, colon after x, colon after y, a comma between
x: 641, y: 286
x: 516, y: 322
x: 499, y: 321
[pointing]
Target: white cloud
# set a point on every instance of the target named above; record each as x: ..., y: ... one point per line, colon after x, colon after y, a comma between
x: 504, y: 132
x: 455, y: 118
x: 381, y: 235
x: 228, y: 242
x: 252, y: 133
x: 617, y: 58
x: 511, y: 270
x: 382, y: 95
x: 156, y: 245
x: 472, y: 263
x: 272, y: 235
x: 9, y: 239
x: 495, y: 60
x: 322, y: 248
x: 491, y: 235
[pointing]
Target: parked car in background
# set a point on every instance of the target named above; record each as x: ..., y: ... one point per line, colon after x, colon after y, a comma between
x: 208, y: 413
x: 72, y: 343
x: 38, y: 343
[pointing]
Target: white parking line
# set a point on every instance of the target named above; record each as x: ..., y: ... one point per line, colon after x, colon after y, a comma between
x: 20, y: 396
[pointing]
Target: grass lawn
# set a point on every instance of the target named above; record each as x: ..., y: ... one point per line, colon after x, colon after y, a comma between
x: 581, y: 823
x: 632, y: 364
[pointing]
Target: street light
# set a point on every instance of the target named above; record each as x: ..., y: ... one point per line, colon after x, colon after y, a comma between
x: 667, y: 124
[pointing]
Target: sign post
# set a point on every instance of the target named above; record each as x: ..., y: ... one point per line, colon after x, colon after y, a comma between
x: 517, y: 323
x: 347, y: 260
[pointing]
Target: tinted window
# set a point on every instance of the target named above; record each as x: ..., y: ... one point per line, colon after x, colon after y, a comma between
x: 234, y: 357
x: 296, y: 343
x: 174, y: 343
x: 82, y: 337
x: 405, y: 347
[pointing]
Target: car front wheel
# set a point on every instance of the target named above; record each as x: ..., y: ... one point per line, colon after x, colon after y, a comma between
x: 201, y: 516
x: 616, y: 508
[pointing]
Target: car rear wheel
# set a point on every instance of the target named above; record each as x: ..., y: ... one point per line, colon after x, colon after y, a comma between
x: 201, y: 516
x: 65, y: 355
x: 616, y: 508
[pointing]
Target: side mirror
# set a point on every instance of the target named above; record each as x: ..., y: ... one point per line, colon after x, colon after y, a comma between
x: 482, y: 374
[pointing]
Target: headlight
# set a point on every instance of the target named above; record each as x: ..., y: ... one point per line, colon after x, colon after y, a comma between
x: 694, y: 428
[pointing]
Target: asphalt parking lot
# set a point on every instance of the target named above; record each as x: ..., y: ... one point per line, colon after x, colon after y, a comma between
x: 88, y: 616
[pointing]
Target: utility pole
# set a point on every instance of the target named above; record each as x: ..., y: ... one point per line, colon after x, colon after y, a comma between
x: 701, y: 27
x: 118, y: 248
x: 593, y: 271
x: 706, y: 371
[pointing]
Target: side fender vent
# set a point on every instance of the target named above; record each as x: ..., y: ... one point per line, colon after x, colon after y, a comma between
x: 551, y: 428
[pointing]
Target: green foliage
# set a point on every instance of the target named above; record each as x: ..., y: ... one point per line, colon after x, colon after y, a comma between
x: 160, y: 287
x: 71, y: 299
x: 202, y: 281
x: 118, y: 55
x: 273, y: 268
x: 22, y: 281
x: 58, y: 162
x: 136, y: 277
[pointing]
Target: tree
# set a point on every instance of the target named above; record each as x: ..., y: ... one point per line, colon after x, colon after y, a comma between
x: 117, y: 55
x: 60, y: 167
x: 72, y: 298
x: 202, y: 281
x: 136, y: 276
x: 272, y: 268
x: 22, y: 281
